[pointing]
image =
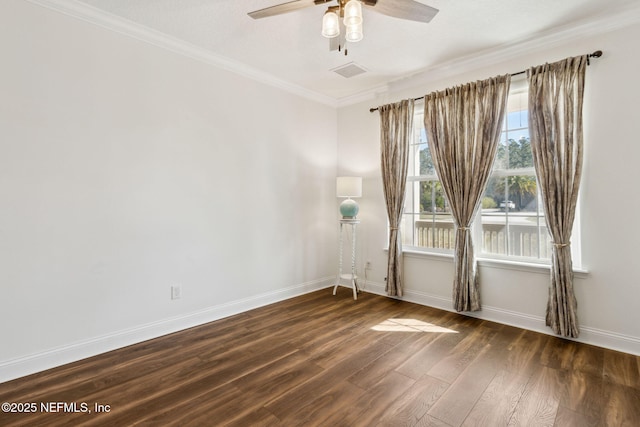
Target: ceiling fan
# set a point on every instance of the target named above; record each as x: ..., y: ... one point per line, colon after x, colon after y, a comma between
x: 342, y: 22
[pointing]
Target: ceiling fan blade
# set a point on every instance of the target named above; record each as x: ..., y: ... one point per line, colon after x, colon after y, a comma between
x: 404, y: 9
x: 284, y: 8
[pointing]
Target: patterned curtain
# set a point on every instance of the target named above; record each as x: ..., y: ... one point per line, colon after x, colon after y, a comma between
x: 463, y: 129
x: 555, y: 122
x: 396, y: 124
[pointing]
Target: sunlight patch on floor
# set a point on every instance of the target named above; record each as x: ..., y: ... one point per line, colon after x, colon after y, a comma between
x: 410, y: 325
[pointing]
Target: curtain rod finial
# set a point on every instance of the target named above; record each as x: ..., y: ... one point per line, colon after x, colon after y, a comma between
x: 596, y: 54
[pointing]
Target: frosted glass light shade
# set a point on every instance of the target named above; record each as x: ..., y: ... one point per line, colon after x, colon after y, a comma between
x: 349, y: 186
x: 330, y: 25
x: 354, y: 33
x: 353, y: 13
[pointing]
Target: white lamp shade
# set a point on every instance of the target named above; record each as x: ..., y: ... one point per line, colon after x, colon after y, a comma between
x: 330, y: 25
x: 354, y: 33
x: 349, y: 186
x: 353, y: 13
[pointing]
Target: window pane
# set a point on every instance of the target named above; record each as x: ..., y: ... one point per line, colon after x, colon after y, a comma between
x: 494, y: 234
x: 517, y: 119
x: 411, y: 201
x: 494, y: 193
x: 528, y: 237
x: 512, y: 223
x: 522, y: 192
x: 431, y: 197
x: 520, y: 155
x: 406, y: 229
x: 414, y: 162
x: 432, y: 227
x: 426, y: 162
x: 516, y: 235
x: 434, y: 231
x: 501, y: 155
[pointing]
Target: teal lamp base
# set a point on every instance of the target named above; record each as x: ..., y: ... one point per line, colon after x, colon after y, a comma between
x: 349, y: 209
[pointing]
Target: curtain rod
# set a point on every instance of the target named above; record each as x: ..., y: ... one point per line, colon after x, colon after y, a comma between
x: 596, y: 54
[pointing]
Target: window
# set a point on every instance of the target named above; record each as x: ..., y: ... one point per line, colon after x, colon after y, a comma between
x: 510, y: 224
x: 427, y: 221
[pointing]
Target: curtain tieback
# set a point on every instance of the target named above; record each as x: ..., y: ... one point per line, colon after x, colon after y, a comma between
x: 464, y: 228
x: 393, y: 228
x: 560, y: 245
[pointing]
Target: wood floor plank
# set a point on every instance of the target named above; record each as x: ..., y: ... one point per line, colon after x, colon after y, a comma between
x: 120, y: 365
x: 452, y: 365
x: 341, y: 348
x: 568, y: 418
x: 258, y: 418
x: 320, y: 359
x: 523, y: 355
x: 372, y: 373
x: 498, y: 402
x: 558, y: 353
x: 338, y: 398
x: 373, y: 402
x: 540, y: 401
x: 256, y: 388
x: 299, y: 396
x: 206, y: 408
x: 460, y: 398
x: 410, y: 407
x: 588, y: 359
x: 429, y: 421
x: 583, y: 394
x: 621, y: 368
x: 273, y: 380
x: 159, y: 392
x: 622, y: 406
x: 423, y: 360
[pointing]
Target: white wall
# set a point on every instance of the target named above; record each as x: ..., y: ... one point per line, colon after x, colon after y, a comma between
x: 125, y: 169
x: 609, y: 295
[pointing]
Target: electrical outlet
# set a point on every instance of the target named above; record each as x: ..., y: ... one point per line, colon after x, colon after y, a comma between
x: 176, y: 291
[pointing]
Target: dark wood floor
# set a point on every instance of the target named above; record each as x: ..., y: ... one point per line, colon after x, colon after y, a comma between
x: 327, y: 360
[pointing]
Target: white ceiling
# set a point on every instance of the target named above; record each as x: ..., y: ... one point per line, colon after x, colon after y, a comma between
x: 290, y: 49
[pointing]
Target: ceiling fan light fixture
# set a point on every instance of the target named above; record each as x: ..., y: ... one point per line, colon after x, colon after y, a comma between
x: 354, y: 33
x: 353, y: 13
x: 330, y: 24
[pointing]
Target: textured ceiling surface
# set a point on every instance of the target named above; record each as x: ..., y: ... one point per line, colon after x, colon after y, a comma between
x: 290, y: 48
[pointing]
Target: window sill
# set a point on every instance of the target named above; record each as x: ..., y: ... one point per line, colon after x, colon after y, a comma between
x: 528, y: 267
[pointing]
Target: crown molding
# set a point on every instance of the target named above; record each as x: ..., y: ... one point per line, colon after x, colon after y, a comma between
x: 366, y: 95
x: 139, y: 32
x: 505, y: 52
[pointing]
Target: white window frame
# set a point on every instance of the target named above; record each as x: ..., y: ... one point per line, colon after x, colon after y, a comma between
x: 412, y: 198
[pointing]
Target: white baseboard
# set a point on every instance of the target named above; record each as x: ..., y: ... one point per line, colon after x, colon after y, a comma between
x: 19, y: 367
x: 588, y: 335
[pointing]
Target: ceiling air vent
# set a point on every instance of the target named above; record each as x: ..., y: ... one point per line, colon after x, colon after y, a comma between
x: 349, y: 70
